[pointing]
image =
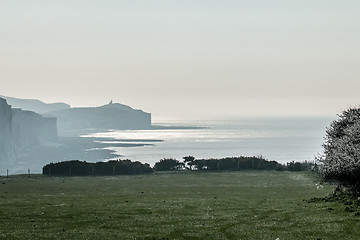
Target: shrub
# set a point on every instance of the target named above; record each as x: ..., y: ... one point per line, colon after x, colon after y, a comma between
x: 341, y: 158
x: 168, y: 164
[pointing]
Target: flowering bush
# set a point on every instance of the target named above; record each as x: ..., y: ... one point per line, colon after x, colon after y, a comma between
x: 341, y: 158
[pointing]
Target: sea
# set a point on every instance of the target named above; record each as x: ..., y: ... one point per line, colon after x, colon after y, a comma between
x: 283, y: 139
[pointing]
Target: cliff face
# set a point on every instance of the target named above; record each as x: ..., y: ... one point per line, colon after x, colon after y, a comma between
x: 22, y: 129
x: 32, y: 129
x: 7, y: 149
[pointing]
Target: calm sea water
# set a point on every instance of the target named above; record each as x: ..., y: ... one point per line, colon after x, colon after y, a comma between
x: 280, y: 139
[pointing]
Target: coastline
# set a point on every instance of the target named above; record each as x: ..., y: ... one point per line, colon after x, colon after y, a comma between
x: 80, y: 145
x: 69, y: 148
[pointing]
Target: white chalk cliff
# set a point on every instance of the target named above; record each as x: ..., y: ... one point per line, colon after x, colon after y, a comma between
x: 22, y: 129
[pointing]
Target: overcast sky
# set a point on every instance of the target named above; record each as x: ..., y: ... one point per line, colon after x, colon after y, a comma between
x: 184, y: 58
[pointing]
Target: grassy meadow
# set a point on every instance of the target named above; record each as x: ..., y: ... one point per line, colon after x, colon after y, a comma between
x: 180, y: 205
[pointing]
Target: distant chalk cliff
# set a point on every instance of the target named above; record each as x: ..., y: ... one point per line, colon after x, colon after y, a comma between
x: 110, y: 116
x: 22, y: 129
x: 32, y: 129
x: 7, y: 147
x: 27, y: 138
x: 34, y: 105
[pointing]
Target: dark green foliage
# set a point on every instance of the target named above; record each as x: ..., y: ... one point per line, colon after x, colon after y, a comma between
x: 231, y: 163
x: 120, y: 167
x: 237, y: 163
x: 301, y: 166
x: 74, y: 167
x: 168, y: 164
x: 82, y: 168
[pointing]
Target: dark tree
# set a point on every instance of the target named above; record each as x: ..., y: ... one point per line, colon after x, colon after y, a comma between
x: 168, y: 164
x: 189, y: 160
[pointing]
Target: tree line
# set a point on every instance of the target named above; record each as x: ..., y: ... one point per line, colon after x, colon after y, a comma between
x: 122, y: 167
x: 83, y: 168
x: 230, y: 163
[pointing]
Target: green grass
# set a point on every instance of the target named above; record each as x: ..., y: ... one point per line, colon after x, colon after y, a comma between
x: 219, y: 205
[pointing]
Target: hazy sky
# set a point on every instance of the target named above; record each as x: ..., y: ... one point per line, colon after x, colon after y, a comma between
x: 184, y: 58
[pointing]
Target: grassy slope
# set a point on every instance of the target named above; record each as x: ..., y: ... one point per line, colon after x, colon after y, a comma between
x: 222, y: 205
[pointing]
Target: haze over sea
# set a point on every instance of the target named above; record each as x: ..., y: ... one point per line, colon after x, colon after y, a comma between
x: 282, y: 139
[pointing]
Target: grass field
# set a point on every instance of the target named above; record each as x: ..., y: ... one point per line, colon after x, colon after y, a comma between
x: 183, y: 205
